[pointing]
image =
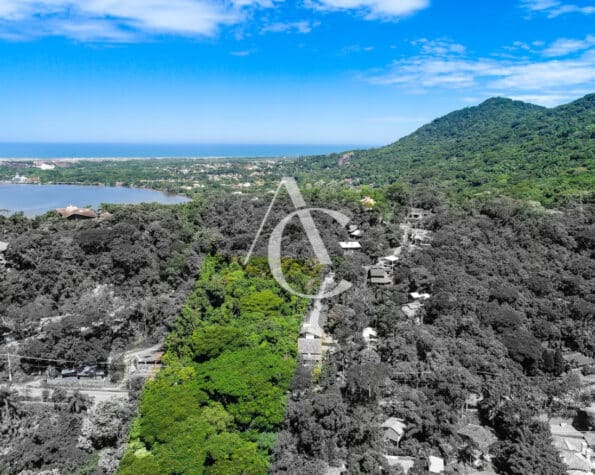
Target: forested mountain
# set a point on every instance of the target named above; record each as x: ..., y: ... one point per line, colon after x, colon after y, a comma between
x: 506, y: 319
x: 499, y: 146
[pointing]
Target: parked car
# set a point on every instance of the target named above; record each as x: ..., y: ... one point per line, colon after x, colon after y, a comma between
x: 90, y: 371
x: 68, y: 373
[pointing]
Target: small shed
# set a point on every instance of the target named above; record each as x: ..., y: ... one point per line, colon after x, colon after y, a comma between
x: 369, y: 335
x: 350, y: 245
x: 380, y: 275
x: 419, y: 296
x: 394, y: 429
x: 354, y: 231
x: 411, y: 309
x: 3, y: 246
x: 435, y: 464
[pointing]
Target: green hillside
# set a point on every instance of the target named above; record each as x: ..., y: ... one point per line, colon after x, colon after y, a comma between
x: 500, y: 146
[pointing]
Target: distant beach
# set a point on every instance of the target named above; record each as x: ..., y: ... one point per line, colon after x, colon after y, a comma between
x: 115, y: 151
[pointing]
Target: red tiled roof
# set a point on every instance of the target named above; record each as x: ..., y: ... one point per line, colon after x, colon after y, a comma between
x: 75, y: 211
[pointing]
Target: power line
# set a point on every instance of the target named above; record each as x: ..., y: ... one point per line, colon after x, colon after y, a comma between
x: 9, y: 355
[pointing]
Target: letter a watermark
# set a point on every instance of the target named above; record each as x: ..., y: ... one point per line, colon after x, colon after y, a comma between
x: 305, y: 217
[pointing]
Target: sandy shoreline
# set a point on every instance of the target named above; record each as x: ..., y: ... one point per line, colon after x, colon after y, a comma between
x: 101, y: 159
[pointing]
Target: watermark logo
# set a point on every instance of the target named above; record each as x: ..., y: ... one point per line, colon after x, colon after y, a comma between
x: 305, y: 217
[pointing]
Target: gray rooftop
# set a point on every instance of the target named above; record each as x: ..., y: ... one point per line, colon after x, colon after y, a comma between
x: 380, y: 272
x: 311, y: 329
x: 394, y: 423
x: 381, y: 280
x: 312, y: 346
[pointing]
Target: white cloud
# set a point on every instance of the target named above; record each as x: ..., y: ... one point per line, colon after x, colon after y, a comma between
x: 290, y: 27
x: 355, y: 49
x: 545, y: 75
x: 565, y: 46
x: 564, y: 9
x: 555, y: 8
x: 540, y: 5
x: 426, y: 72
x: 373, y: 9
x: 438, y: 47
x: 547, y: 100
x: 121, y: 19
x: 242, y: 53
x: 88, y: 30
x: 546, y: 80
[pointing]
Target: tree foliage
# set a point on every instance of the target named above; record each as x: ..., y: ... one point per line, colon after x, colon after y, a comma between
x: 230, y: 359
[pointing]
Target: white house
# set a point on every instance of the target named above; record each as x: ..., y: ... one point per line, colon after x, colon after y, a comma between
x: 388, y: 260
x: 369, y: 335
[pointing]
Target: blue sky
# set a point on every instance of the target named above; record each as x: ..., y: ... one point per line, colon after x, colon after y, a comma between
x: 276, y: 71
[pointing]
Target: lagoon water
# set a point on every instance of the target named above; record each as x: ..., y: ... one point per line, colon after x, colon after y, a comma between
x: 34, y: 200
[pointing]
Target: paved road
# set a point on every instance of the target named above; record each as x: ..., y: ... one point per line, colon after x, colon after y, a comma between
x: 34, y: 389
x: 314, y: 316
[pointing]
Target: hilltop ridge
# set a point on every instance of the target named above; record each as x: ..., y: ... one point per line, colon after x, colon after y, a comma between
x: 500, y: 146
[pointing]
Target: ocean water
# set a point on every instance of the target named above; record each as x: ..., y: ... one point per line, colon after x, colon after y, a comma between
x: 138, y: 150
x: 34, y: 200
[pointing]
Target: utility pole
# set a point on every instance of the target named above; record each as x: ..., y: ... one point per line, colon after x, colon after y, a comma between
x: 9, y: 368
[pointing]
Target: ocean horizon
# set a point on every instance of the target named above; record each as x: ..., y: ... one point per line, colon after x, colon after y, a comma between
x: 65, y: 150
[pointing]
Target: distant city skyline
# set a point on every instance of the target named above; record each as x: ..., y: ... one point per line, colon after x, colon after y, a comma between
x: 279, y: 72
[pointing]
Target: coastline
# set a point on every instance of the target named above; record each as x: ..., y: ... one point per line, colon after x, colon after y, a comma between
x: 68, y: 151
x: 123, y: 159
